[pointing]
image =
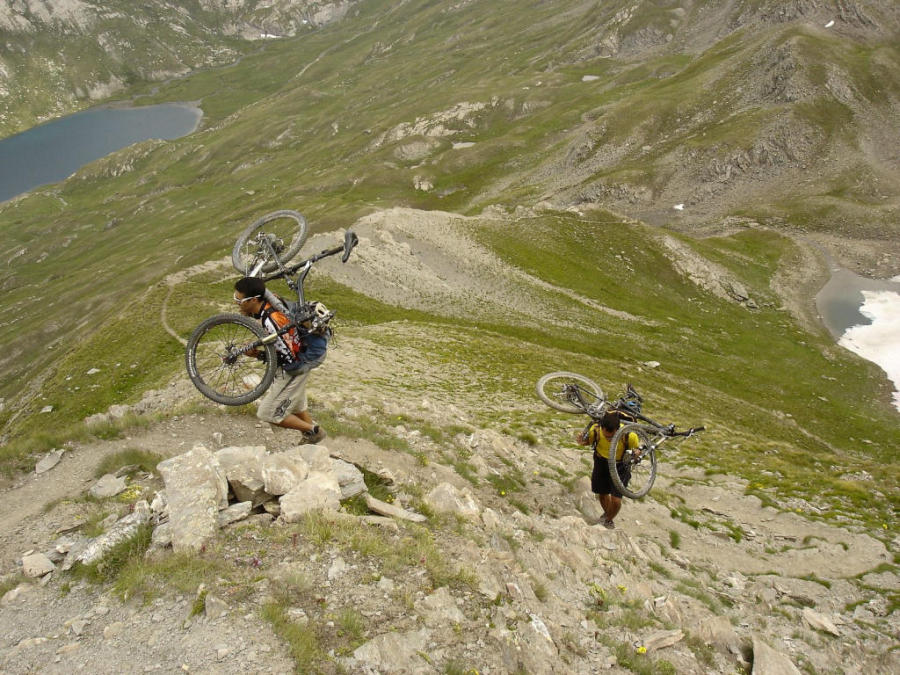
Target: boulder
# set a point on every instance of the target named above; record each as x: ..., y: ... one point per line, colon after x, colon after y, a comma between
x: 195, y: 487
x: 819, y: 621
x: 718, y: 632
x: 440, y: 609
x: 393, y: 653
x: 282, y: 472
x: 768, y: 661
x: 349, y: 477
x: 108, y: 486
x: 315, y: 455
x: 234, y: 513
x: 662, y: 639
x: 37, y: 565
x: 243, y: 471
x: 446, y: 498
x: 320, y: 491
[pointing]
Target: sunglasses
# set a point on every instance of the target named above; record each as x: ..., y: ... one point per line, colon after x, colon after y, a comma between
x: 241, y: 301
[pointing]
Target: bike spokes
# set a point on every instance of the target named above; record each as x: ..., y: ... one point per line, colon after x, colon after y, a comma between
x: 221, y: 364
x: 569, y: 392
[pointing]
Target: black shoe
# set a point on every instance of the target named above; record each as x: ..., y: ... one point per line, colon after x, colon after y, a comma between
x: 316, y: 435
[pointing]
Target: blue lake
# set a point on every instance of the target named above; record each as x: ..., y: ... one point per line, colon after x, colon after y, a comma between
x: 53, y: 151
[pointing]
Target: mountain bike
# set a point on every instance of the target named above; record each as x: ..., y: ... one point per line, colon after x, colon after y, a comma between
x: 574, y: 393
x: 230, y: 358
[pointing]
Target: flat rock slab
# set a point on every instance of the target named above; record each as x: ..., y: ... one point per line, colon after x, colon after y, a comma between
x: 385, y: 509
x: 768, y: 661
x: 320, y: 491
x: 48, y: 461
x: 195, y: 486
x: 108, y: 486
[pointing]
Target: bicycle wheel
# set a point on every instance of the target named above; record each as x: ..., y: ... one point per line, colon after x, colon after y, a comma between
x: 634, y: 474
x: 285, y: 231
x: 217, y: 365
x: 556, y: 390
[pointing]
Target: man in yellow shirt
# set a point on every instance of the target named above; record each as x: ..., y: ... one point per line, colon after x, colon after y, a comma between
x: 600, y: 436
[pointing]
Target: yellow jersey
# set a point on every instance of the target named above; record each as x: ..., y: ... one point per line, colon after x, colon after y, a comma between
x: 601, y: 445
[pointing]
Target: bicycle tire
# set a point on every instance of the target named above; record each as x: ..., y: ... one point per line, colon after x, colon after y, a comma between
x: 556, y: 399
x: 243, y: 380
x: 246, y: 254
x: 642, y: 469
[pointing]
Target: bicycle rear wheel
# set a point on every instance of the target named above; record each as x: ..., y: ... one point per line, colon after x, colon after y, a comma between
x: 634, y: 473
x: 218, y: 366
x: 284, y: 231
x: 556, y: 390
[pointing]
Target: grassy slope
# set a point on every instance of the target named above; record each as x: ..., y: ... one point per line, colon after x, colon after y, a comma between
x: 268, y: 142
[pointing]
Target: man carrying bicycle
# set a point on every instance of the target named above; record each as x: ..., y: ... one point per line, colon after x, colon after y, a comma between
x: 599, y: 437
x: 284, y: 404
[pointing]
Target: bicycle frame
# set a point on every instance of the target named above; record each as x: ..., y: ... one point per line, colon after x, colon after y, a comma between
x: 596, y: 412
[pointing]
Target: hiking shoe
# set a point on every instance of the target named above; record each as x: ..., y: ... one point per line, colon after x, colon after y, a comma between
x: 608, y: 524
x: 316, y: 435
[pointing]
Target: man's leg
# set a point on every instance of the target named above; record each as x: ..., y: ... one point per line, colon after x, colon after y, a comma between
x: 286, y: 394
x: 611, y: 505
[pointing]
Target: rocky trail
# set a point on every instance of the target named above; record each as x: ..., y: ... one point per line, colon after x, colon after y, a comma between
x: 473, y: 547
x: 510, y: 584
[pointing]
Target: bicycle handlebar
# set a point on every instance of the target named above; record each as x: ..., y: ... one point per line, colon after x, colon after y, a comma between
x: 690, y: 432
x: 350, y: 242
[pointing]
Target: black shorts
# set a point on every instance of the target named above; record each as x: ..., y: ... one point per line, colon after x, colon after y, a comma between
x: 601, y: 481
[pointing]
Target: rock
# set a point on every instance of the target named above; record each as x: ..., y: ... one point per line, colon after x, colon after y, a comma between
x: 385, y: 584
x: 386, y: 509
x: 393, y: 653
x: 234, y: 513
x: 108, y: 486
x: 662, y: 639
x: 195, y: 486
x: 282, y: 472
x: 48, y: 461
x: 590, y: 508
x: 651, y: 364
x: 125, y: 528
x: 350, y: 478
x: 162, y: 536
x: 37, y: 565
x: 440, y: 609
x: 490, y: 519
x: 446, y: 498
x: 214, y: 607
x: 337, y: 568
x: 315, y: 455
x: 47, y: 409
x: 819, y: 621
x: 16, y: 594
x: 767, y: 661
x: 159, y: 506
x: 318, y: 491
x: 719, y: 634
x: 243, y: 471
x: 113, y: 630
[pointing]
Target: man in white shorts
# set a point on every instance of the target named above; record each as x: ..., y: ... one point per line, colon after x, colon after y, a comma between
x: 284, y: 404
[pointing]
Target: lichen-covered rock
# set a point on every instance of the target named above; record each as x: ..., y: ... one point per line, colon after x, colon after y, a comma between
x: 195, y: 487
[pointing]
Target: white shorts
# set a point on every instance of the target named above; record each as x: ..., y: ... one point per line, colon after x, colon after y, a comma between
x: 286, y: 396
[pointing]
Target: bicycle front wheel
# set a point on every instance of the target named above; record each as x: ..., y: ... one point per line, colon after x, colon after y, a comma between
x: 558, y: 390
x: 218, y: 366
x: 634, y: 473
x: 282, y: 232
